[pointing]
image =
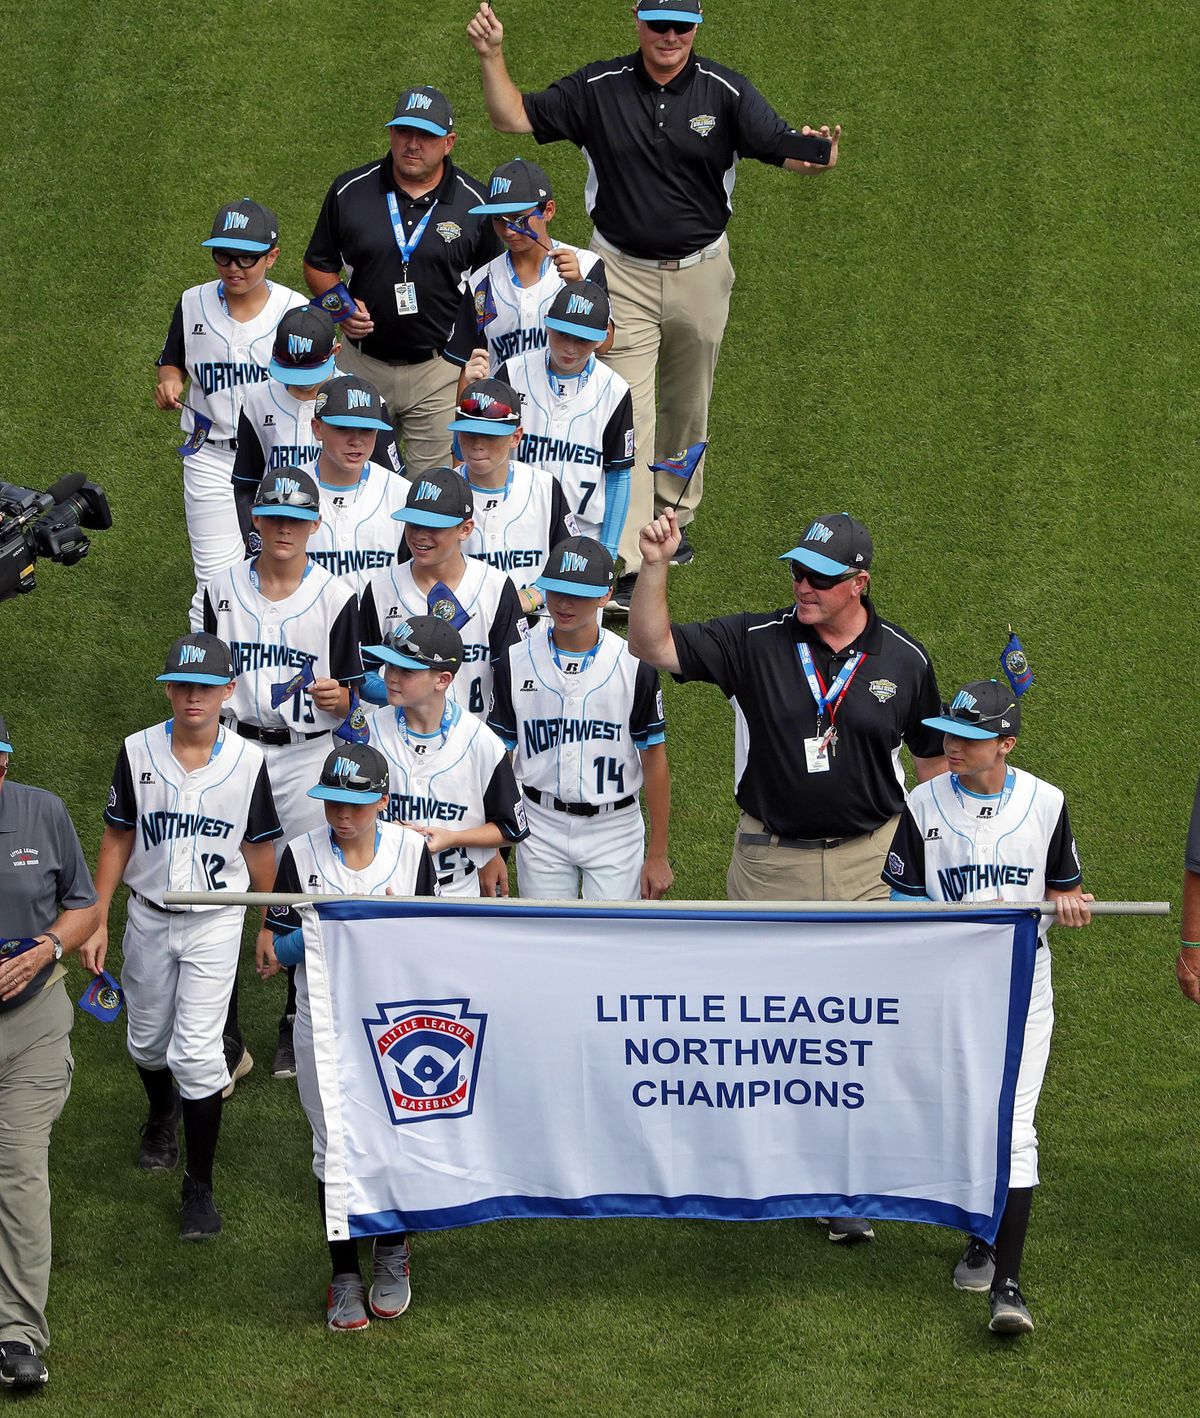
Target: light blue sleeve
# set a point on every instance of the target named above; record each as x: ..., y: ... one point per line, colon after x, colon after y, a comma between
x: 894, y: 895
x: 289, y: 948
x: 373, y: 689
x: 616, y: 508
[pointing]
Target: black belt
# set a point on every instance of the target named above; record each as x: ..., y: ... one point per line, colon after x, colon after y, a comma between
x: 577, y: 809
x: 446, y: 880
x: 229, y: 444
x: 801, y: 844
x: 273, y: 736
x: 154, y: 906
x: 414, y: 357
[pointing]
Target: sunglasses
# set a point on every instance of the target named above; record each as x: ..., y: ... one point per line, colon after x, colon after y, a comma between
x: 243, y: 260
x: 480, y: 406
x: 964, y: 714
x: 816, y: 579
x: 680, y: 27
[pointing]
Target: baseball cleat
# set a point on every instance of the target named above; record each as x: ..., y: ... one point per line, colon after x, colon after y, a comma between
x: 976, y: 1268
x: 239, y: 1066
x: 622, y: 594
x: 283, y: 1065
x: 684, y: 552
x: 391, y: 1290
x: 345, y: 1305
x: 850, y: 1229
x: 160, y: 1141
x: 1010, y: 1314
x: 20, y: 1367
x: 199, y: 1219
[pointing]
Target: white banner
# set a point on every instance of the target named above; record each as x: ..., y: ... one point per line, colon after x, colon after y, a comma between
x: 478, y: 1063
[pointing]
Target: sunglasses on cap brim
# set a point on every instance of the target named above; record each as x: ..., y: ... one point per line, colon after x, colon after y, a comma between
x: 963, y: 714
x: 480, y: 408
x: 817, y: 579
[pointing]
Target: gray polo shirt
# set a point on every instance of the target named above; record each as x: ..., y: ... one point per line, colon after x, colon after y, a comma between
x: 42, y: 870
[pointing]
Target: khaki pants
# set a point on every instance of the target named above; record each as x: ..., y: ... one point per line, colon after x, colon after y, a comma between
x: 420, y: 400
x: 669, y: 326
x: 35, y: 1078
x: 846, y: 873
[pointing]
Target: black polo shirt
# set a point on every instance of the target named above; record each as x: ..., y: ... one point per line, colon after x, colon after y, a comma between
x: 354, y: 232
x: 661, y: 157
x: 753, y: 658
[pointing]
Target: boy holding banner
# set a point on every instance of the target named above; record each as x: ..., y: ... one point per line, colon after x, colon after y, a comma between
x: 988, y: 832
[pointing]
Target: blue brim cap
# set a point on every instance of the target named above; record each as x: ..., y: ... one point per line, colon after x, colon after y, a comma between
x: 183, y: 677
x: 393, y: 657
x: 302, y: 378
x: 6, y: 747
x: 502, y: 209
x: 427, y: 519
x: 300, y: 514
x: 423, y: 123
x: 961, y: 730
x: 815, y: 561
x: 691, y: 17
x: 571, y: 588
x: 234, y: 243
x: 343, y: 795
x: 355, y: 421
x: 581, y: 331
x: 492, y: 428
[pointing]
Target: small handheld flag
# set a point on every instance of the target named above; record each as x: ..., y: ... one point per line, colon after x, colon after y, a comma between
x: 16, y: 946
x: 682, y: 465
x: 522, y: 228
x: 201, y: 426
x: 1015, y: 665
x: 354, y: 728
x: 445, y: 605
x: 336, y: 302
x: 103, y: 998
x: 281, y: 693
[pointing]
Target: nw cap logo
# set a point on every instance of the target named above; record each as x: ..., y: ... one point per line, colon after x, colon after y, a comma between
x: 286, y: 486
x: 500, y: 184
x: 191, y: 655
x: 418, y: 101
x: 572, y: 561
x: 427, y: 492
x: 299, y: 344
x: 357, y: 399
x: 579, y: 305
x: 963, y: 700
x: 344, y: 768
x: 236, y: 221
x: 818, y: 532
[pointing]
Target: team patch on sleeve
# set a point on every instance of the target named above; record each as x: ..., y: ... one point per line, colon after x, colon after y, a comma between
x: 658, y: 704
x: 895, y: 864
x: 519, y: 814
x: 571, y: 524
x: 629, y: 443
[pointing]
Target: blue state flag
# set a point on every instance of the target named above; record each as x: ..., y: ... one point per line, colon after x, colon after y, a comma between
x: 444, y: 604
x: 103, y: 998
x: 336, y: 302
x: 684, y: 464
x: 354, y: 728
x: 281, y: 693
x: 1015, y: 665
x: 201, y: 426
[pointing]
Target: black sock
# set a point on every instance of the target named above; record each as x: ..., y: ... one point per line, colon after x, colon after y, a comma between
x: 393, y: 1238
x: 233, y: 1029
x: 1010, y: 1239
x: 343, y: 1255
x: 289, y: 1009
x: 160, y: 1089
x: 201, y: 1124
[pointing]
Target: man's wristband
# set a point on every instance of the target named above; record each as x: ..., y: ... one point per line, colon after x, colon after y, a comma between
x: 1189, y: 945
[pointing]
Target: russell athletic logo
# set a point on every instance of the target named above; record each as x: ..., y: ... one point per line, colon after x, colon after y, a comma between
x: 426, y: 1054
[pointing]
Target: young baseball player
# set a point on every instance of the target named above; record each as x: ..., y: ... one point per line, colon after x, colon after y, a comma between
x: 439, y: 580
x: 504, y: 303
x: 577, y: 414
x: 293, y: 630
x: 451, y: 777
x: 986, y: 831
x: 351, y: 853
x: 190, y: 809
x: 219, y: 344
x: 520, y: 510
x: 586, y: 722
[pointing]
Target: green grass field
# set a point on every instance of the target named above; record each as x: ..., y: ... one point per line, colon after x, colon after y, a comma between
x: 977, y: 335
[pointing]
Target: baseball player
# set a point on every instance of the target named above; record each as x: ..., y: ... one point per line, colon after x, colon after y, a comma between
x: 451, y: 777
x: 351, y: 853
x: 439, y: 580
x: 275, y: 427
x: 190, y: 809
x: 577, y: 415
x: 986, y: 831
x: 293, y: 630
x: 586, y: 722
x: 504, y: 303
x: 219, y: 344
x: 520, y: 509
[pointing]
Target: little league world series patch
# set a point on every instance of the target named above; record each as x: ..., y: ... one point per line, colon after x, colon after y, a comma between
x: 426, y: 1054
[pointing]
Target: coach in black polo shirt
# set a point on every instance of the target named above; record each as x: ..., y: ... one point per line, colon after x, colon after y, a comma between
x: 663, y: 130
x: 819, y: 795
x: 402, y: 227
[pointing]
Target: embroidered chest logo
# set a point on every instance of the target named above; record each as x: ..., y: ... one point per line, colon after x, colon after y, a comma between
x: 882, y: 689
x: 24, y: 857
x: 703, y: 123
x: 448, y: 231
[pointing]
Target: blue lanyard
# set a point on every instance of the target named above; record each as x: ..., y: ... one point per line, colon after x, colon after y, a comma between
x: 1010, y: 782
x: 406, y: 247
x: 583, y: 664
x: 450, y: 717
x: 341, y: 856
x: 830, y: 699
x: 559, y: 382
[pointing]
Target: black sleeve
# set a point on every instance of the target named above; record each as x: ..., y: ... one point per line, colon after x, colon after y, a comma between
x: 502, y: 719
x: 249, y: 462
x: 712, y: 651
x: 345, y: 661
x: 262, y: 821
x: 926, y: 703
x: 282, y: 919
x: 647, y: 718
x: 368, y: 619
x: 465, y: 335
x: 121, y: 811
x: 502, y: 804
x: 560, y: 509
x: 174, y: 351
x: 1063, y: 869
x: 904, y: 869
x: 386, y: 452
x: 507, y: 624
x: 210, y: 615
x: 503, y: 375
x: 760, y: 130
x: 325, y: 245
x: 426, y: 882
x: 560, y: 112
x: 618, y: 437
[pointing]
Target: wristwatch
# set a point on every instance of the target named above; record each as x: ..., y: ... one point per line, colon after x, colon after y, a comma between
x: 55, y: 942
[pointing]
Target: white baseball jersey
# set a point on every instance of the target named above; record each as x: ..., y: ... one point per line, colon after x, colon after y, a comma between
x: 461, y: 782
x: 223, y: 357
x: 487, y: 596
x: 952, y: 845
x: 505, y: 317
x: 577, y: 722
x: 578, y: 436
x: 357, y: 536
x: 516, y: 525
x: 316, y: 625
x: 189, y: 827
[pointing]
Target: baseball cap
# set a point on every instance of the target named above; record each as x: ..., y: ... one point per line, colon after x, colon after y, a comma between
x: 488, y: 406
x: 580, y: 308
x: 687, y: 11
x: 303, y: 349
x: 351, y: 402
x: 5, y: 741
x: 834, y: 544
x: 423, y: 642
x: 424, y: 108
x: 198, y: 659
x: 244, y: 226
x: 353, y: 773
x: 288, y: 492
x: 985, y: 709
x: 515, y: 187
x: 438, y: 498
x: 578, y: 566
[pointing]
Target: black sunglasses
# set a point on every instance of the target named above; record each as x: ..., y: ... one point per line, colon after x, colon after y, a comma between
x: 816, y: 579
x: 243, y: 260
x: 680, y: 27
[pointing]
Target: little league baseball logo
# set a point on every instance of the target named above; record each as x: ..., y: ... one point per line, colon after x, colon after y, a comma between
x: 426, y: 1054
x: 448, y: 231
x: 703, y: 123
x: 882, y: 689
